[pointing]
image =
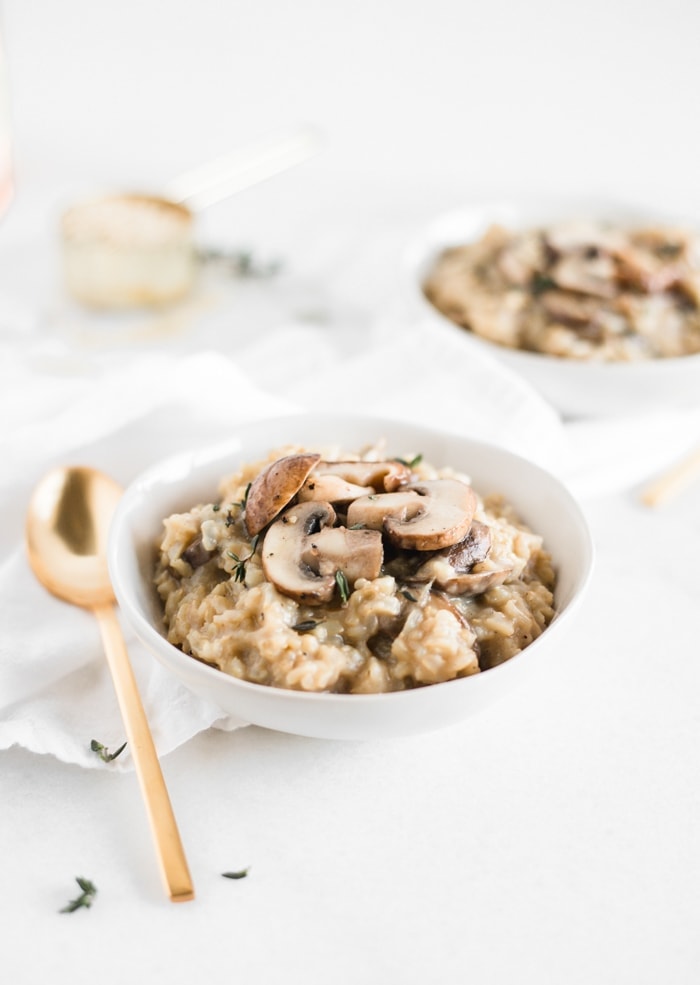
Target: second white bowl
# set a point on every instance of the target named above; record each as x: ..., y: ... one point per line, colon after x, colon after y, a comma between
x: 576, y: 389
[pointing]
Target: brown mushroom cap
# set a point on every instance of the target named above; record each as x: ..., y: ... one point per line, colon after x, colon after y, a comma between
x: 424, y: 516
x: 274, y: 488
x: 452, y: 569
x: 476, y: 582
x: 302, y: 552
x: 460, y: 557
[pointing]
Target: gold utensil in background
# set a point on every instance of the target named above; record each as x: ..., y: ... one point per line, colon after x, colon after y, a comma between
x: 674, y: 481
x: 66, y: 532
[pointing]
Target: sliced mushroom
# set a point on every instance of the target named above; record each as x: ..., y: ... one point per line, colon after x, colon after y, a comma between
x: 595, y: 275
x: 196, y: 554
x: 302, y: 552
x: 581, y: 235
x: 474, y: 582
x: 341, y: 482
x: 274, y: 488
x: 522, y: 258
x: 452, y: 569
x: 424, y: 516
x: 647, y: 271
x: 568, y: 308
x: 474, y: 548
x: 443, y: 601
x: 331, y: 489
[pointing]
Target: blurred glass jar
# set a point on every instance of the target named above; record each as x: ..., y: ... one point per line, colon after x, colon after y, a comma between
x: 128, y: 250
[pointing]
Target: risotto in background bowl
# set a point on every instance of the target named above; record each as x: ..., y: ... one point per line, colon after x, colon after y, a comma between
x: 597, y: 305
x: 349, y: 577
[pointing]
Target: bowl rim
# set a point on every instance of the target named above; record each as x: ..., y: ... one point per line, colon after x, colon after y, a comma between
x: 199, y: 458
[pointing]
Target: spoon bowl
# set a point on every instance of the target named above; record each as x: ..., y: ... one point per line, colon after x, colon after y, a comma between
x: 67, y: 528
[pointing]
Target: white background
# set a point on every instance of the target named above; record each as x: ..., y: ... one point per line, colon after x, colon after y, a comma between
x: 554, y: 840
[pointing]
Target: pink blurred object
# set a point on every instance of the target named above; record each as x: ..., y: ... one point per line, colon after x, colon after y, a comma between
x: 7, y: 185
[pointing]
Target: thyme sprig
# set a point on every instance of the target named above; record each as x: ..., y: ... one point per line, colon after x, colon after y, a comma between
x: 239, y: 263
x: 238, y: 571
x: 244, y: 502
x: 103, y: 752
x: 86, y: 898
x: 540, y: 283
x: 239, y: 874
x: 343, y: 587
x: 306, y: 625
x: 411, y: 462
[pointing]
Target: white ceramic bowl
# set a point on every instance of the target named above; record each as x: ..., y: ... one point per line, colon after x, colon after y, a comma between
x: 182, y: 481
x: 577, y: 389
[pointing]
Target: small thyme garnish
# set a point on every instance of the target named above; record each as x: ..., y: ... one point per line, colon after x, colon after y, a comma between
x: 243, y: 502
x: 407, y: 595
x: 240, y: 874
x: 86, y: 898
x: 306, y: 625
x: 230, y: 519
x: 103, y: 752
x: 357, y: 526
x: 541, y: 283
x: 343, y: 587
x: 239, y: 567
x: 668, y: 250
x: 410, y: 463
x: 216, y: 507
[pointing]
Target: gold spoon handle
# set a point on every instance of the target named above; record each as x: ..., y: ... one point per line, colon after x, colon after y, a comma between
x: 160, y: 813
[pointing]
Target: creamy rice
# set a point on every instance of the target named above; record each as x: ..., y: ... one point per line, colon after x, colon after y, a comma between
x: 422, y: 615
x: 588, y: 291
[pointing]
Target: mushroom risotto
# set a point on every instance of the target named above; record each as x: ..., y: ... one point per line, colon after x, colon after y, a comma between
x: 351, y: 573
x: 580, y: 290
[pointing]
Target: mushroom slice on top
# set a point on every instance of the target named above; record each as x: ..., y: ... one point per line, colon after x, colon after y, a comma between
x: 462, y: 582
x: 461, y: 557
x: 331, y: 488
x: 341, y: 482
x: 425, y: 516
x: 274, y: 488
x: 302, y: 552
x: 477, y: 582
x: 196, y: 554
x: 452, y: 569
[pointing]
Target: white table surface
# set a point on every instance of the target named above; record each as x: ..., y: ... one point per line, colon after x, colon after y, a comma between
x: 554, y: 839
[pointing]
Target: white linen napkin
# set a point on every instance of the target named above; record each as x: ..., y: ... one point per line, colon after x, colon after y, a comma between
x: 55, y: 691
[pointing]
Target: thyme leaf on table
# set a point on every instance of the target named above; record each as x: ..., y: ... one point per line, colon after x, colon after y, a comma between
x: 240, y: 874
x: 86, y: 898
x: 239, y: 263
x: 103, y: 752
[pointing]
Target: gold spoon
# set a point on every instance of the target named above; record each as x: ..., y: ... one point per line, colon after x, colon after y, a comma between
x: 67, y: 527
